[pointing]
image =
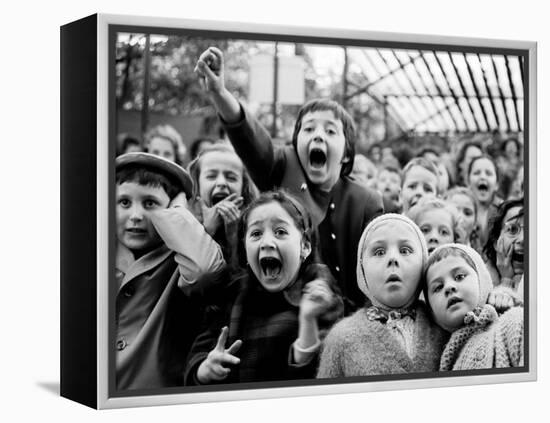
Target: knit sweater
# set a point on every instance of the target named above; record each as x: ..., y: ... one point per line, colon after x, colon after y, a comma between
x: 357, y: 346
x: 489, y: 341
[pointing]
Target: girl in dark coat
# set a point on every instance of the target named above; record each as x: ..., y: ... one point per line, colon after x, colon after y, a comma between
x: 271, y: 327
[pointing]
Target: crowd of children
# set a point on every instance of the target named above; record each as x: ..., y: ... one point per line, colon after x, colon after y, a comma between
x: 263, y: 262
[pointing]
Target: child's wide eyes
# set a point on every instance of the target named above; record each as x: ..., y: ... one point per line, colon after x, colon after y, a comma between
x: 426, y: 229
x: 444, y: 231
x: 459, y: 276
x: 406, y: 251
x: 379, y: 252
x: 428, y: 188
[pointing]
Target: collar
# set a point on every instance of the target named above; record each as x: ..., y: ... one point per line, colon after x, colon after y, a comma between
x: 480, y: 316
x: 126, y: 263
x: 386, y: 316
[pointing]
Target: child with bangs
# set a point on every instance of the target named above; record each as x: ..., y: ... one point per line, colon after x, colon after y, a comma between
x: 275, y: 308
x: 315, y: 169
x: 483, y: 178
x: 420, y: 179
x: 221, y: 190
x: 396, y: 334
x: 364, y: 171
x: 389, y: 185
x: 438, y: 221
x: 458, y: 286
x: 465, y: 202
x: 161, y: 251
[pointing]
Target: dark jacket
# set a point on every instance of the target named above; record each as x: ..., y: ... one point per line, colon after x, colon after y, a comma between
x: 266, y: 323
x: 340, y: 215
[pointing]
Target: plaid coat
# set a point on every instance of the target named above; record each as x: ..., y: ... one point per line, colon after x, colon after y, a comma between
x: 266, y: 323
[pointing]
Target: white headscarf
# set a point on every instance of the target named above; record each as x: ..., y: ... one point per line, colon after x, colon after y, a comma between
x: 484, y: 277
x: 362, y: 282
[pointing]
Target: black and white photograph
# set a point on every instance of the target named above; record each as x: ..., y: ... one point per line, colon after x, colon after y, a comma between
x: 295, y: 210
x: 275, y: 211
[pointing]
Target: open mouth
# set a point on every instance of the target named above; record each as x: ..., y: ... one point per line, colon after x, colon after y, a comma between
x: 431, y: 249
x: 393, y: 278
x: 216, y: 198
x: 271, y: 266
x: 483, y: 187
x: 317, y: 158
x: 453, y: 301
x: 517, y: 257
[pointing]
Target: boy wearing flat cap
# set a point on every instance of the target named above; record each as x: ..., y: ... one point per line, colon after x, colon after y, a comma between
x: 161, y: 251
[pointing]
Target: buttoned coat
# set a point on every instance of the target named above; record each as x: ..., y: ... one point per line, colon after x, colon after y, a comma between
x: 339, y: 215
x: 158, y: 306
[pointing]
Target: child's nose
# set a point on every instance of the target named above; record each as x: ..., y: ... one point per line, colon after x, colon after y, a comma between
x: 318, y: 135
x: 450, y: 287
x: 136, y: 213
x: 267, y: 242
x: 220, y: 180
x: 392, y: 258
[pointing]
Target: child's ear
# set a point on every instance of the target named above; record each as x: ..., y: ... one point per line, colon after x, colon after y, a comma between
x: 305, y: 250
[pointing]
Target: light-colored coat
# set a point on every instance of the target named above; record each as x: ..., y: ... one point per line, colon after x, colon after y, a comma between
x: 489, y: 342
x: 357, y: 346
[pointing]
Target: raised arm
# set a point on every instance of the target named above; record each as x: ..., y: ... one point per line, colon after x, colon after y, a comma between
x: 196, y: 252
x: 210, y: 69
x: 250, y: 139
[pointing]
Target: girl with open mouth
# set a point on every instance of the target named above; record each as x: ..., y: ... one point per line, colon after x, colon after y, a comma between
x: 270, y: 325
x: 505, y: 252
x: 483, y: 181
x: 222, y: 189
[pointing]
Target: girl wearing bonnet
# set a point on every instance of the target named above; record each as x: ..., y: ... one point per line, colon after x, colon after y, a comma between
x: 458, y: 287
x: 395, y: 334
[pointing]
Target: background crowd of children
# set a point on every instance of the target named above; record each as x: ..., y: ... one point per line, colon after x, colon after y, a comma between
x: 262, y: 263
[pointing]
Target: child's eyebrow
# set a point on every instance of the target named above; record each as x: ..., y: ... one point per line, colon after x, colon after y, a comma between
x: 255, y: 223
x: 437, y: 279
